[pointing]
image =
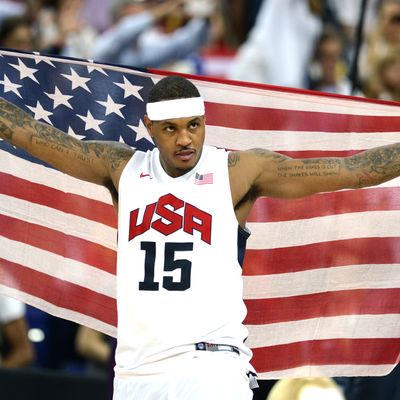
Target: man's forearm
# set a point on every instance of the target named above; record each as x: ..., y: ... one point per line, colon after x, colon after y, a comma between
x: 93, y: 161
x: 23, y: 131
x: 376, y: 165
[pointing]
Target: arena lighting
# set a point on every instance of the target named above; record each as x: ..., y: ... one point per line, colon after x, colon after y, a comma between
x: 36, y: 335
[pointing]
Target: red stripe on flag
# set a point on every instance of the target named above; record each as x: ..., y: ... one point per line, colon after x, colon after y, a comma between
x: 257, y: 118
x: 52, y: 290
x: 327, y: 304
x: 267, y: 209
x: 59, y: 243
x: 375, y: 250
x: 66, y: 202
x: 326, y: 352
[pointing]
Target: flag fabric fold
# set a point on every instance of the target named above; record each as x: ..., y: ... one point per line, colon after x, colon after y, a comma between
x: 321, y: 274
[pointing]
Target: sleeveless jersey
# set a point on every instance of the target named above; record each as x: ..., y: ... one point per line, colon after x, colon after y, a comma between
x: 179, y: 276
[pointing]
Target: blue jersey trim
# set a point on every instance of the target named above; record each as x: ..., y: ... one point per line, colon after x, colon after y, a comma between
x: 243, y: 235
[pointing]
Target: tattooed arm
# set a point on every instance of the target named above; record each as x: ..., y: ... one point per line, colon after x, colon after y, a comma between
x: 94, y: 161
x: 259, y: 172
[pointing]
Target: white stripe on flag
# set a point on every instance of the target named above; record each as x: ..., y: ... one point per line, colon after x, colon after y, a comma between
x: 67, y: 224
x: 64, y: 313
x: 59, y: 267
x: 324, y: 229
x: 322, y: 328
x: 240, y: 139
x: 37, y: 173
x: 349, y: 277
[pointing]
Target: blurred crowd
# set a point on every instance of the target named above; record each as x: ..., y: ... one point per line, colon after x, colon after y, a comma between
x: 336, y: 46
x: 309, y: 44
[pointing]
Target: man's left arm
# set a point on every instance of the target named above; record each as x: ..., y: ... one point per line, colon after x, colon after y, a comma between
x: 272, y: 174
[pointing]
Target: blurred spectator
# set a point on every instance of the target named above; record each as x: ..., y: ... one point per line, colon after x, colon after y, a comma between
x: 16, y: 349
x: 218, y: 53
x: 306, y: 389
x: 385, y: 84
x: 382, y: 40
x: 9, y: 8
x: 348, y: 15
x: 280, y: 44
x: 328, y: 69
x: 94, y: 347
x: 98, y: 350
x: 240, y: 17
x: 17, y: 33
x: 136, y: 38
x: 97, y: 14
x: 61, y: 28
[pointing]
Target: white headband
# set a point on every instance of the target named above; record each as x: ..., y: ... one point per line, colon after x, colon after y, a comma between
x: 180, y: 108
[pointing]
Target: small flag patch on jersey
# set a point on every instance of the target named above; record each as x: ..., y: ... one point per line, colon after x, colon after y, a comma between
x: 206, y: 179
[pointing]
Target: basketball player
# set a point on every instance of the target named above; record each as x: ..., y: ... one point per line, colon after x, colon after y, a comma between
x: 182, y: 214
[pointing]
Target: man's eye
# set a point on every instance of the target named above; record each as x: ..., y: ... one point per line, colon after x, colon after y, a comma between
x: 194, y: 125
x: 169, y: 129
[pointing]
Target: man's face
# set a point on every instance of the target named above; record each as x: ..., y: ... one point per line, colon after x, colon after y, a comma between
x: 180, y: 142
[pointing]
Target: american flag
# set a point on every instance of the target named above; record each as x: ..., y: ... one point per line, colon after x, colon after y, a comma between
x: 204, y: 179
x: 321, y: 274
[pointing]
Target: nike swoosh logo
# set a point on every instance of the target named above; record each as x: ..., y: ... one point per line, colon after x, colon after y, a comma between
x: 143, y: 175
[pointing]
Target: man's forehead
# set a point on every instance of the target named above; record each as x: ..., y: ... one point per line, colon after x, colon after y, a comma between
x: 180, y: 121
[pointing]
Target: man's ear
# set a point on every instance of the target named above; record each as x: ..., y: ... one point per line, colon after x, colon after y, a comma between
x: 148, y: 124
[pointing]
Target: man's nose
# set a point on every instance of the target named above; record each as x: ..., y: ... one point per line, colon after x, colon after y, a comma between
x: 184, y: 139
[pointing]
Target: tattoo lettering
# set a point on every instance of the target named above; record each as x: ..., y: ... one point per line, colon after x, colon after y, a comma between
x: 310, y: 168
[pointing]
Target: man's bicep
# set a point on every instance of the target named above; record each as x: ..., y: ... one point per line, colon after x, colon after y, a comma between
x: 293, y: 178
x: 74, y: 157
x: 99, y: 162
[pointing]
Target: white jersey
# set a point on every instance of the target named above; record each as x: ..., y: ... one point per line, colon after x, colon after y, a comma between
x: 179, y: 255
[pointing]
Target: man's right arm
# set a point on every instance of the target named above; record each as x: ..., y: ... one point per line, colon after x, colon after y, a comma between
x: 94, y: 161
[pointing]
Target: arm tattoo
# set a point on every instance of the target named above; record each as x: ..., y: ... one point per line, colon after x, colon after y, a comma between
x: 233, y: 158
x: 5, y: 131
x: 114, y: 154
x: 13, y: 119
x: 313, y: 167
x: 376, y: 165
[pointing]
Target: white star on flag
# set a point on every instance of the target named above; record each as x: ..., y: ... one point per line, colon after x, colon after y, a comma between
x: 129, y: 89
x: 73, y: 134
x: 40, y: 112
x: 141, y: 131
x: 38, y: 59
x: 10, y: 86
x: 59, y: 98
x: 25, y: 71
x: 91, y: 122
x: 111, y: 106
x: 77, y: 80
x: 92, y: 68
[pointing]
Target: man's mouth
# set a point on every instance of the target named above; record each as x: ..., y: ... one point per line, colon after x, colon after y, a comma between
x: 184, y: 155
